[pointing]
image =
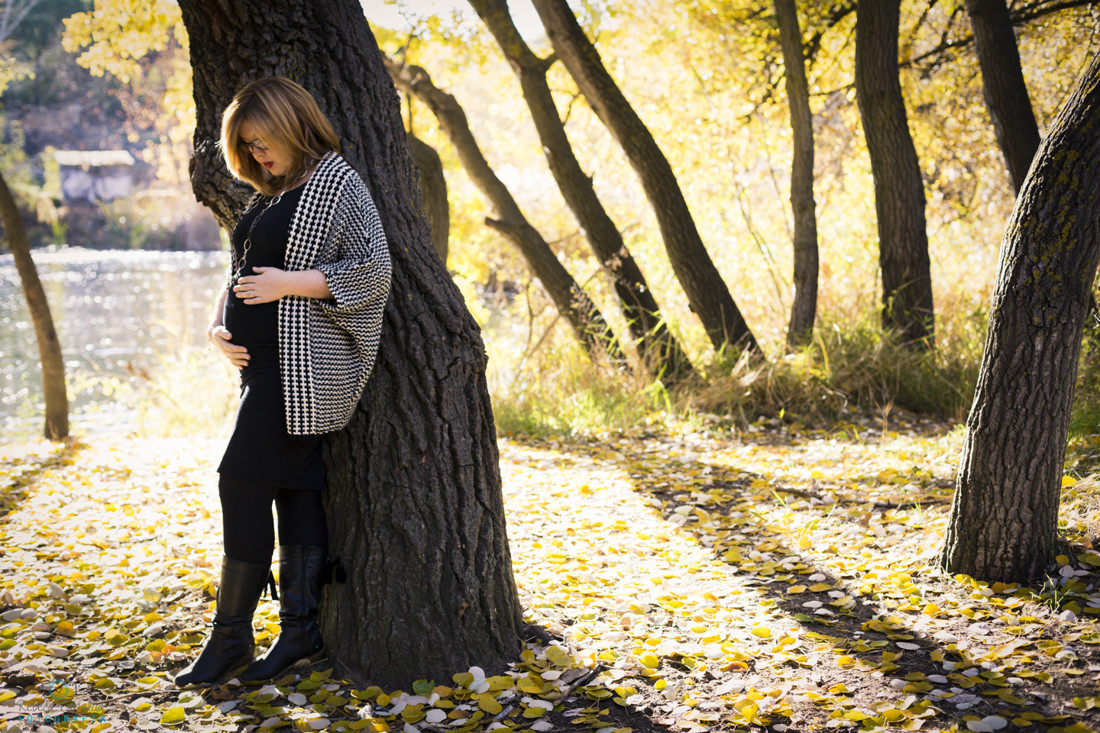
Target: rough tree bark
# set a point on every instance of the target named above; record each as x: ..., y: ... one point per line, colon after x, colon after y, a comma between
x: 657, y: 346
x: 589, y: 325
x: 706, y: 291
x: 433, y: 189
x: 1004, y: 518
x: 804, y: 308
x: 49, y: 348
x: 1006, y: 94
x: 414, y: 500
x: 899, y: 190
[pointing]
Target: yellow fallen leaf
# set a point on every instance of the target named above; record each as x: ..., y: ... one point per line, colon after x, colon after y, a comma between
x: 558, y: 656
x: 500, y: 682
x: 173, y: 716
x: 748, y: 712
x: 368, y: 694
x: 1005, y: 650
x: 1090, y: 558
x: 529, y: 685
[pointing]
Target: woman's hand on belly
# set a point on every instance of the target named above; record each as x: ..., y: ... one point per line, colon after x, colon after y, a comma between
x: 267, y: 285
x: 221, y: 338
x: 270, y: 283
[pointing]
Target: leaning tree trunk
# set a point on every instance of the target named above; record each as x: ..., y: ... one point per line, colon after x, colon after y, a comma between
x: 414, y: 498
x: 49, y: 348
x: 1004, y: 519
x: 804, y: 309
x: 571, y: 301
x: 433, y: 189
x: 657, y: 346
x: 899, y: 190
x: 1006, y: 94
x: 706, y: 291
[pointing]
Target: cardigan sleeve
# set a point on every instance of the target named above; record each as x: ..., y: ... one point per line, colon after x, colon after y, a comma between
x: 359, y: 276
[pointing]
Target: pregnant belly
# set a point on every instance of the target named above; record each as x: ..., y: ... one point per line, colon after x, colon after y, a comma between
x: 251, y: 324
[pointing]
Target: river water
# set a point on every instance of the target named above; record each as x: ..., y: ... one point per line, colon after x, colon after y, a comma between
x: 115, y: 311
x: 124, y: 312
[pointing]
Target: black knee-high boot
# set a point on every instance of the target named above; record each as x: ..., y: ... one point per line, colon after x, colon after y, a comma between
x: 301, y: 576
x: 230, y: 644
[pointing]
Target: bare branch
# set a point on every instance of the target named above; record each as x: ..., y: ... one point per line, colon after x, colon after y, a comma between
x: 12, y: 14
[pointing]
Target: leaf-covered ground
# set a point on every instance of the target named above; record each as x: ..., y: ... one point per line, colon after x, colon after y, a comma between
x: 779, y: 579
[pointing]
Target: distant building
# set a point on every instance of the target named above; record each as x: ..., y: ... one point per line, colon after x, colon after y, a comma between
x: 90, y: 176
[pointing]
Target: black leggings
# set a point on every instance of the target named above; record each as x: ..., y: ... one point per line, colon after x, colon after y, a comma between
x: 247, y: 529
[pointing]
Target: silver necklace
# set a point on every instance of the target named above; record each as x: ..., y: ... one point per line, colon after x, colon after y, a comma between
x: 238, y: 264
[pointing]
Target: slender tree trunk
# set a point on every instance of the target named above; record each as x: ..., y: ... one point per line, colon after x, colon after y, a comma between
x: 804, y: 309
x: 899, y: 190
x: 1004, y: 519
x: 1006, y: 94
x: 433, y: 189
x: 49, y: 348
x: 588, y: 324
x: 413, y: 498
x: 706, y: 291
x: 656, y: 344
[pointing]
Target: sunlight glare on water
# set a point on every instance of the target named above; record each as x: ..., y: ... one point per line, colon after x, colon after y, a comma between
x: 112, y: 308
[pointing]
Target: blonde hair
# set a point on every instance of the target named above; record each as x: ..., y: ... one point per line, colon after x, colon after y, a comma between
x: 287, y: 117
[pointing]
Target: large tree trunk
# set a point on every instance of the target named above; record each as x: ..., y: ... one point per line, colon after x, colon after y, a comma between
x: 706, y: 291
x: 804, y: 309
x: 1006, y: 94
x: 899, y: 190
x: 1004, y: 519
x: 413, y: 498
x: 49, y: 348
x: 589, y: 325
x: 658, y: 348
x: 433, y: 189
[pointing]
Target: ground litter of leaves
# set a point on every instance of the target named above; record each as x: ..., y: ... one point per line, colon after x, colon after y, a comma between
x: 777, y: 579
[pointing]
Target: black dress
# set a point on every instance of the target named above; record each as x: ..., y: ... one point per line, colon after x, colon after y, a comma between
x: 260, y: 449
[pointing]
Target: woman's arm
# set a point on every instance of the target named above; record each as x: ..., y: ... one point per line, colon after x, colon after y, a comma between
x: 358, y: 272
x: 271, y: 283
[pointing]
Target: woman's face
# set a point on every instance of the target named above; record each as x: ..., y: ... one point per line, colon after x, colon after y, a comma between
x: 276, y: 160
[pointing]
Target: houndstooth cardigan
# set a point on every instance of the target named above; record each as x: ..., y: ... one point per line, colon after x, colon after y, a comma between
x: 327, y: 347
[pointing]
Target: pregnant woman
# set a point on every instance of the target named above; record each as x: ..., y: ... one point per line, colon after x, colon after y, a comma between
x: 300, y: 317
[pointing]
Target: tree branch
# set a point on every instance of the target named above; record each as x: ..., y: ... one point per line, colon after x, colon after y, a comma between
x: 12, y: 15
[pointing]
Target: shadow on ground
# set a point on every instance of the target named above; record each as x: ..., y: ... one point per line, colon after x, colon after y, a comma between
x: 870, y: 658
x: 24, y: 472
